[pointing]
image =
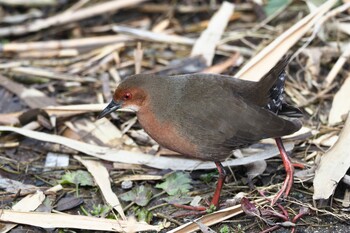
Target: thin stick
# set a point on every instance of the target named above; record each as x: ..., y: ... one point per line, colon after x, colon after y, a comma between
x: 68, y: 17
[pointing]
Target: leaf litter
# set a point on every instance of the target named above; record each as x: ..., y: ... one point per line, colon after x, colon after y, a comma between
x: 66, y: 58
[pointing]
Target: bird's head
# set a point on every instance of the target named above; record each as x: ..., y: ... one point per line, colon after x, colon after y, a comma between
x: 129, y: 95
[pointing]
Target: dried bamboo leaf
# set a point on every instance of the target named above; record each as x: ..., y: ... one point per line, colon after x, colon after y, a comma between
x: 206, y: 43
x: 28, y: 203
x: 31, y: 3
x: 344, y: 27
x: 340, y: 104
x: 153, y: 36
x: 13, y: 186
x: 160, y: 162
x: 211, y: 219
x: 38, y: 72
x: 101, y: 132
x: 68, y: 17
x: 50, y: 220
x: 344, y: 57
x: 270, y: 55
x: 333, y: 166
x: 32, y: 97
x: 101, y: 176
x: 138, y: 177
x: 63, y: 44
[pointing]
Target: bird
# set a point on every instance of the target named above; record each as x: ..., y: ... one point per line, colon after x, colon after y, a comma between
x: 207, y: 116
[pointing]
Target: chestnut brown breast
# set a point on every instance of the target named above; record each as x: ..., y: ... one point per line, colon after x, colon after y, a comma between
x: 165, y: 133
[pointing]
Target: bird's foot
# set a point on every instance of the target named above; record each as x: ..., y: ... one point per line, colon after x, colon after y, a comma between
x: 195, y: 210
x: 268, y: 213
x: 286, y: 186
x: 289, y: 167
x: 288, y: 182
x: 214, y: 204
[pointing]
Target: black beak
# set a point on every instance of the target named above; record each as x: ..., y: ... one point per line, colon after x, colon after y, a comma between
x: 111, y: 107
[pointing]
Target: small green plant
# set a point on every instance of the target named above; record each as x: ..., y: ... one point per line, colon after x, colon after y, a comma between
x: 143, y: 215
x: 99, y: 210
x: 225, y: 229
x: 79, y: 178
x: 207, y: 177
x: 211, y: 209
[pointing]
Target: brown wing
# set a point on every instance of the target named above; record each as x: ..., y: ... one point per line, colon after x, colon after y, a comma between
x: 218, y: 120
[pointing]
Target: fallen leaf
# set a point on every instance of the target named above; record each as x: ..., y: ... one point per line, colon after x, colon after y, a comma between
x: 79, y: 177
x: 204, y: 228
x: 51, y: 220
x: 249, y: 208
x: 141, y: 195
x: 340, y: 104
x: 213, y: 218
x: 68, y: 203
x: 29, y: 203
x: 206, y: 44
x: 12, y: 186
x: 101, y: 177
x: 160, y: 162
x: 333, y: 166
x: 271, y: 54
x: 178, y: 182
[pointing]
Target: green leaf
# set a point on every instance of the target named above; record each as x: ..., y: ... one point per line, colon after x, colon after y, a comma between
x: 141, y: 195
x: 175, y: 183
x: 143, y: 215
x: 207, y: 177
x: 225, y: 229
x: 100, y: 210
x: 273, y: 5
x: 82, y: 178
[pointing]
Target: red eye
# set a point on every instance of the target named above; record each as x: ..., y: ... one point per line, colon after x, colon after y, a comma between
x: 127, y: 96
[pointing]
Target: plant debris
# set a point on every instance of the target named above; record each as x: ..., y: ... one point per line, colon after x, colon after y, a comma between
x: 60, y: 62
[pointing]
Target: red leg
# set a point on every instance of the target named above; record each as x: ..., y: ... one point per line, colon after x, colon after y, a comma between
x: 288, y: 182
x: 221, y: 180
x: 216, y: 198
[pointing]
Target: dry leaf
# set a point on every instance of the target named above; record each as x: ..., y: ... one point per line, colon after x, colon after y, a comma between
x: 208, y: 40
x: 50, y: 220
x: 344, y: 57
x: 13, y: 186
x: 101, y: 176
x: 341, y: 103
x: 160, y: 162
x: 333, y: 166
x: 270, y: 55
x: 326, y: 140
x: 211, y: 219
x: 28, y: 203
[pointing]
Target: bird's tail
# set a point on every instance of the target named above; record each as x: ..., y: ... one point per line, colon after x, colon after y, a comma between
x: 272, y: 85
x: 272, y: 78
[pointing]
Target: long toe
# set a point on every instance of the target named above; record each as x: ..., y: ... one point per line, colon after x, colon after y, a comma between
x: 288, y: 166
